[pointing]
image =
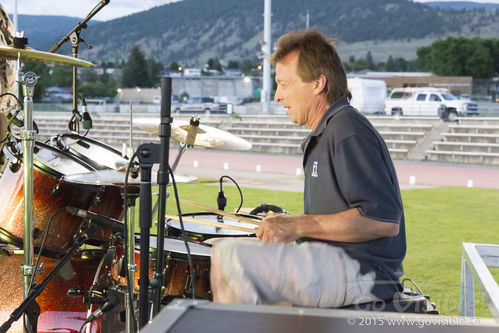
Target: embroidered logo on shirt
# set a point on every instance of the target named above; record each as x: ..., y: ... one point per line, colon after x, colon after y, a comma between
x: 314, y: 169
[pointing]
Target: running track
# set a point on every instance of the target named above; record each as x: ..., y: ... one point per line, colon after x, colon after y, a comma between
x: 425, y: 173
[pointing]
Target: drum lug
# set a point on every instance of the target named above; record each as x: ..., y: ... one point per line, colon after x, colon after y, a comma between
x: 41, y: 269
x: 57, y: 189
x: 15, y: 166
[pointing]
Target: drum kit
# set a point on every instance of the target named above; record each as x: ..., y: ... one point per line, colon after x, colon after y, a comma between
x: 62, y: 203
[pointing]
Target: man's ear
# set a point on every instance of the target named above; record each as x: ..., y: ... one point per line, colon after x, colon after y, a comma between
x: 320, y: 84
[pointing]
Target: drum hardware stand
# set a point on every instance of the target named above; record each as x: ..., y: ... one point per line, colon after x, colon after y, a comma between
x: 132, y: 267
x: 28, y: 81
x: 74, y: 36
x: 29, y: 305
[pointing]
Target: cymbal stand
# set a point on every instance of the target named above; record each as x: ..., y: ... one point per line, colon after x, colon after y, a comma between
x: 132, y: 267
x: 28, y: 81
x: 189, y: 142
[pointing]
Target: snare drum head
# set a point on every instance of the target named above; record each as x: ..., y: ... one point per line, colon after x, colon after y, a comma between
x: 96, y: 153
x: 56, y: 163
x: 209, y: 230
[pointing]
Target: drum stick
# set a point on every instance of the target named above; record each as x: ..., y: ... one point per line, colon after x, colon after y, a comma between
x: 211, y: 224
x: 220, y: 212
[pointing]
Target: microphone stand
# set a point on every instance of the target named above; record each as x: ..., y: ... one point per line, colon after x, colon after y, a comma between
x: 74, y: 35
x: 29, y: 304
x: 164, y: 133
x: 148, y: 154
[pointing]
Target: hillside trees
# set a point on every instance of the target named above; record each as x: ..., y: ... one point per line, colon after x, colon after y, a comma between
x: 476, y: 57
x: 139, y: 72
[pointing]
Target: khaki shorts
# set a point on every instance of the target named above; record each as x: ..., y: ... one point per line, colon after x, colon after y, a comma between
x: 311, y: 274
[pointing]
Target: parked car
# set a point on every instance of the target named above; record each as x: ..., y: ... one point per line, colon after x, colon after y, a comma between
x: 175, y: 103
x: 428, y: 102
x: 202, y: 104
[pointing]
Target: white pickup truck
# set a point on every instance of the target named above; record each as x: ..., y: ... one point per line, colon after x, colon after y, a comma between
x: 428, y: 102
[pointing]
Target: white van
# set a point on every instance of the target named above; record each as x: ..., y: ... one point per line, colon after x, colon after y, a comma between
x: 368, y: 96
x: 428, y: 102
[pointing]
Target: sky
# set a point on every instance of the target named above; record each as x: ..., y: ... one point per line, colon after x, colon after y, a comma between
x: 115, y: 8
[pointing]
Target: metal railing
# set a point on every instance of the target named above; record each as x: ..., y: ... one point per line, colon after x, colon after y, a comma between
x: 475, y: 263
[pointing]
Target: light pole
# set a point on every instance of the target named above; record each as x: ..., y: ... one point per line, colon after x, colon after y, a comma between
x: 266, y: 48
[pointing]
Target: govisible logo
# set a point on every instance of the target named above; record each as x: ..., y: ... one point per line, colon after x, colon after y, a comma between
x: 314, y: 169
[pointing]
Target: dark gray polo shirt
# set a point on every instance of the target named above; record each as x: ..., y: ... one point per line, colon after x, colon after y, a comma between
x: 347, y: 164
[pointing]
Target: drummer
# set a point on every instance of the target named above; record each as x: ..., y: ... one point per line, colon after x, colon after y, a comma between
x: 348, y: 246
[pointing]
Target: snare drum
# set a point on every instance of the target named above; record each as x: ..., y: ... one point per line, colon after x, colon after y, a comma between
x: 201, y: 233
x: 95, y: 153
x: 50, y: 193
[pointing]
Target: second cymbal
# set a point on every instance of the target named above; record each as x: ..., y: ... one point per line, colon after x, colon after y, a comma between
x: 206, y: 136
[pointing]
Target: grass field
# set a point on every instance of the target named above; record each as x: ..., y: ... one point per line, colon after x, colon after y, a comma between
x: 438, y: 221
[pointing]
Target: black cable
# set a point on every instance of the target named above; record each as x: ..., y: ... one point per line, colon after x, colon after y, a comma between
x: 81, y: 328
x: 184, y: 237
x: 57, y: 212
x: 240, y: 193
x: 125, y: 255
x: 19, y: 105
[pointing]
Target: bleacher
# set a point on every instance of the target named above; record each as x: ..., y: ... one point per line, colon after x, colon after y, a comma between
x: 470, y: 140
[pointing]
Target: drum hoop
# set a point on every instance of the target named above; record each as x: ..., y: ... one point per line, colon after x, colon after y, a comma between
x: 196, y: 214
x: 48, y: 171
x: 42, y: 168
x: 178, y: 255
x: 18, y: 242
x: 63, y: 146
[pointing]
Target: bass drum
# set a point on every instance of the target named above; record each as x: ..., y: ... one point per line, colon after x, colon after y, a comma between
x: 50, y: 194
x: 59, y: 312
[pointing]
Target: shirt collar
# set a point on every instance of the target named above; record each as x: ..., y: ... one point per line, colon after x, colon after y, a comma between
x: 331, y: 111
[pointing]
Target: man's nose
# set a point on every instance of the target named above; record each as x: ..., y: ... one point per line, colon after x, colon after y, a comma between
x: 277, y: 96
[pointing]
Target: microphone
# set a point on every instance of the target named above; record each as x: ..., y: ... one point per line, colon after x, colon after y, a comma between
x: 111, y: 302
x: 221, y: 199
x: 102, y: 221
x: 87, y: 120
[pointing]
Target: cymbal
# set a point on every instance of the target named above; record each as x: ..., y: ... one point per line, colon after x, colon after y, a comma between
x: 206, y: 136
x: 117, y: 178
x: 30, y: 55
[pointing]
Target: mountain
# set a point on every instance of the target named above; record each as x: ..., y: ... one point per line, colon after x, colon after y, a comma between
x: 42, y: 30
x: 192, y: 31
x: 460, y: 5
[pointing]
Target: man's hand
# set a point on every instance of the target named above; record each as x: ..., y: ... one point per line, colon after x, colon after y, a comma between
x: 277, y: 228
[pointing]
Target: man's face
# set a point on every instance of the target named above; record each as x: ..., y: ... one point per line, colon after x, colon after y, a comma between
x: 294, y: 94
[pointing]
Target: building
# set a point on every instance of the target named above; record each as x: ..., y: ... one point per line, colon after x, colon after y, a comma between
x: 225, y: 86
